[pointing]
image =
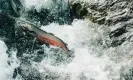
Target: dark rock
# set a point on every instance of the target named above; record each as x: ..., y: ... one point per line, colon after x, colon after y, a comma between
x: 116, y: 43
x: 15, y: 73
x: 117, y: 32
x: 118, y: 19
x: 115, y: 14
x: 78, y: 11
x: 101, y: 21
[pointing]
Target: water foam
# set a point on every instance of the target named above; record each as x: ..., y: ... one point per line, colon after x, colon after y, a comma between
x: 93, y: 60
x: 7, y: 65
x: 83, y: 38
x: 3, y: 61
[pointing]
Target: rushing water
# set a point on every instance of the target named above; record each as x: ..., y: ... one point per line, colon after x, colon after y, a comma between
x: 93, y: 59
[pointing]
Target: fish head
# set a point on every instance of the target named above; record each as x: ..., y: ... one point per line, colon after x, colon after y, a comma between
x: 26, y: 27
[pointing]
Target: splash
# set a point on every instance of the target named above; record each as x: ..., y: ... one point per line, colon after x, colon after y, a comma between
x: 90, y: 61
x: 7, y: 65
x: 93, y: 59
x: 3, y: 61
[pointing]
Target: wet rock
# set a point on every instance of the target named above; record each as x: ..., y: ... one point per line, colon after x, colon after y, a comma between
x: 117, y: 32
x: 116, y: 14
x: 121, y: 17
x: 101, y: 21
x: 116, y: 43
x: 78, y: 11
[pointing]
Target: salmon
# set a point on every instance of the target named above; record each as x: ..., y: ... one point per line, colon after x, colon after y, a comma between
x: 43, y: 36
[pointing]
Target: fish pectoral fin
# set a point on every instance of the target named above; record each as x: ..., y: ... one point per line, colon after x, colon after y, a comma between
x: 47, y: 45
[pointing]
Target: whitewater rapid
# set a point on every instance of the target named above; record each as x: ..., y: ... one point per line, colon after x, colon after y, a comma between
x: 90, y: 61
x: 93, y: 59
x: 7, y: 65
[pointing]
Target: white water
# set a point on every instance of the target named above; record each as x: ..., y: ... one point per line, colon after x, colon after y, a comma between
x: 6, y: 70
x: 3, y: 61
x: 93, y: 60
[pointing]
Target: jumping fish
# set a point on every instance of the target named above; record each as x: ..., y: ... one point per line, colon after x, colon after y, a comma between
x: 43, y: 36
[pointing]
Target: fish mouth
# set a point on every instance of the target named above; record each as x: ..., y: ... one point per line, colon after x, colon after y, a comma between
x: 25, y: 27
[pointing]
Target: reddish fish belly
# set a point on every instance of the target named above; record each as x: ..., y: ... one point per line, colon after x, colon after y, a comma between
x: 44, y: 40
